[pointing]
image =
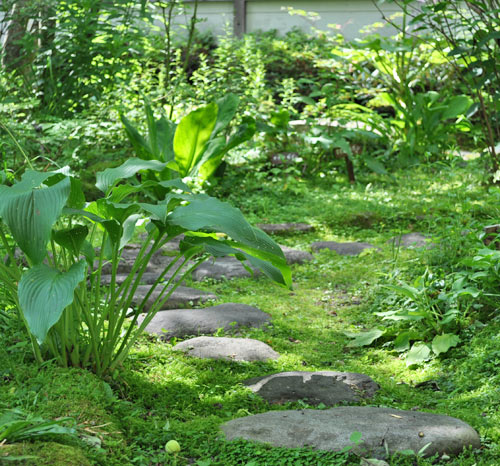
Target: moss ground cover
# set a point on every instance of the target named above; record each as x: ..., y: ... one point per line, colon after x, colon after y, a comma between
x: 159, y: 395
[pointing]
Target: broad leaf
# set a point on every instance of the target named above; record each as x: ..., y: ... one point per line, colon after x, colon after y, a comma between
x: 45, y: 292
x: 71, y: 238
x: 364, y: 338
x: 402, y: 341
x: 30, y: 211
x: 192, y: 135
x: 457, y: 105
x: 442, y: 343
x: 419, y: 352
x: 227, y: 107
x: 107, y: 178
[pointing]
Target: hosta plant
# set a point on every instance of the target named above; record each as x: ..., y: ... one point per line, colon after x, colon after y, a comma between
x: 57, y: 246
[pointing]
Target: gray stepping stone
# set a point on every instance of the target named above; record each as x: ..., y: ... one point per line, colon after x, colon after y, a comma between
x: 231, y: 349
x: 184, y: 322
x: 327, y: 387
x: 413, y: 240
x: 381, y: 428
x: 230, y: 267
x: 344, y: 249
x: 181, y: 297
x: 283, y: 228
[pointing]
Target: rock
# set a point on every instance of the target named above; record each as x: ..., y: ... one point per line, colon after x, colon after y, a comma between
x: 184, y: 322
x: 148, y: 278
x: 231, y: 349
x: 381, y: 428
x: 327, y: 387
x: 181, y: 297
x: 491, y: 233
x: 296, y: 256
x: 283, y: 228
x: 344, y: 249
x: 412, y: 240
x: 230, y: 267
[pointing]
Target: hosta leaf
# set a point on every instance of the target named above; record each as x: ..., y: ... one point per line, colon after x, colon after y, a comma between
x: 364, y: 338
x: 45, y: 292
x: 107, y: 178
x: 227, y: 107
x: 419, y: 352
x: 71, y: 238
x: 192, y: 135
x: 402, y: 341
x: 442, y: 343
x: 30, y: 212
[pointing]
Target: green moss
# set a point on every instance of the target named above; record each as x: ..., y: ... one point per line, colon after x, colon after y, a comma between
x: 44, y: 453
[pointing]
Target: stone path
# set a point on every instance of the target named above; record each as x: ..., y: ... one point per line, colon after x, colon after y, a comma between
x: 285, y: 228
x: 380, y: 428
x: 344, y: 249
x: 230, y: 267
x: 181, y: 297
x: 327, y: 387
x: 186, y: 322
x: 413, y: 240
x: 231, y: 349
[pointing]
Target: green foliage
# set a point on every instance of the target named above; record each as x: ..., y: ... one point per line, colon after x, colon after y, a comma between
x: 196, y: 146
x: 62, y: 302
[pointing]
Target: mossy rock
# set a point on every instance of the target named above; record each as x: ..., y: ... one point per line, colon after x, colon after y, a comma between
x: 44, y: 453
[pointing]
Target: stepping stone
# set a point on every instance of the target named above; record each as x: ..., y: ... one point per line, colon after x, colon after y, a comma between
x: 181, y: 297
x: 344, y: 249
x: 184, y: 322
x: 412, y: 240
x: 284, y: 228
x: 327, y: 387
x: 230, y: 267
x: 231, y: 349
x: 381, y: 428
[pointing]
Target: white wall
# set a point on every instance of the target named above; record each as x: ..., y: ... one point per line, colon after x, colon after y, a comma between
x: 350, y: 15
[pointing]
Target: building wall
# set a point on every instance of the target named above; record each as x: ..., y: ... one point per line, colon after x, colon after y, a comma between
x: 349, y: 15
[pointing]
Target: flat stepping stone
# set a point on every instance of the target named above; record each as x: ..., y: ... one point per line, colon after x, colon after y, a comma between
x: 231, y: 349
x: 344, y: 249
x: 284, y: 228
x: 327, y: 387
x: 184, y: 322
x: 413, y: 240
x: 182, y: 296
x: 230, y: 267
x: 381, y: 428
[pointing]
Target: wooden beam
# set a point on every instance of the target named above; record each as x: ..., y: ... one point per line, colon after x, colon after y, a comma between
x: 239, y: 19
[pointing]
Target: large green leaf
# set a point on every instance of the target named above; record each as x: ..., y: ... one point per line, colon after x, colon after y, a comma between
x: 227, y: 107
x: 30, y: 211
x: 45, y: 292
x: 138, y: 142
x: 419, y: 352
x: 107, y: 178
x: 457, y: 105
x: 192, y: 135
x: 442, y: 343
x: 71, y: 238
x: 364, y: 338
x: 214, y: 215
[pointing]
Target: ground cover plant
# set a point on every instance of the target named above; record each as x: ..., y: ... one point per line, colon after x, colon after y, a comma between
x: 362, y: 140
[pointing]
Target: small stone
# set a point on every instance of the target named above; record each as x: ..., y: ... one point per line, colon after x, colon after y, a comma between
x: 231, y: 349
x: 412, y: 240
x: 382, y: 429
x: 207, y: 321
x: 344, y: 249
x: 182, y: 296
x: 284, y: 228
x: 327, y: 387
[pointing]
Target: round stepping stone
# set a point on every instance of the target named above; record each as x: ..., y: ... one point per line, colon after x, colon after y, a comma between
x: 344, y: 249
x: 284, y: 228
x: 231, y: 349
x: 181, y: 297
x: 296, y: 256
x: 327, y: 387
x: 413, y: 240
x: 381, y: 428
x: 184, y: 322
